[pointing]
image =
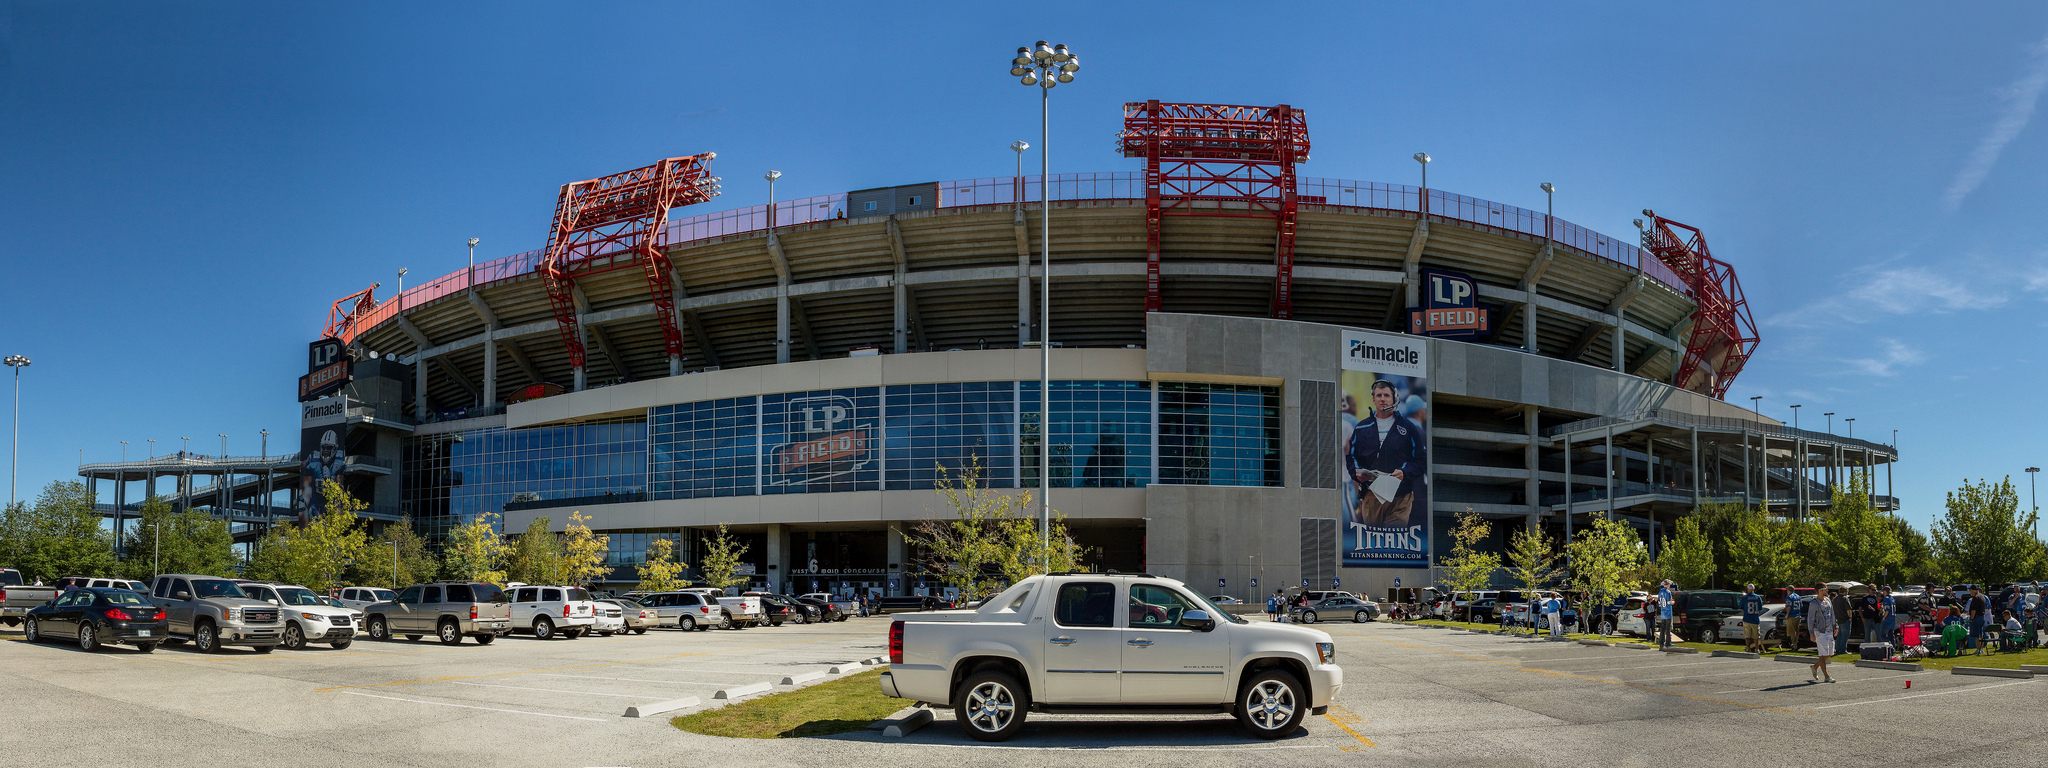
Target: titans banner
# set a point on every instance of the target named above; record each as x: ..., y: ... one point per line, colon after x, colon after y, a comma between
x: 1383, y: 404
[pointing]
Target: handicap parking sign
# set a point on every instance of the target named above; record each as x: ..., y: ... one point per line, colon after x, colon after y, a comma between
x: 1220, y: 583
x: 1255, y: 583
x: 892, y: 585
x: 1304, y: 583
x: 1397, y: 582
x: 1336, y: 582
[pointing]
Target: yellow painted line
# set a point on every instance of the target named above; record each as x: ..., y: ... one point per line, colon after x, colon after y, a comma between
x: 1332, y: 716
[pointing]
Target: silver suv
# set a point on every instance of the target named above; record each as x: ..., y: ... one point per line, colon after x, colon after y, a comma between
x: 447, y: 610
x: 212, y: 612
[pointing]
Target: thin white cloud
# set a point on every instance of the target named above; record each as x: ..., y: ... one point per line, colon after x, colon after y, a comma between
x: 1898, y: 291
x: 2020, y: 99
x: 1886, y: 363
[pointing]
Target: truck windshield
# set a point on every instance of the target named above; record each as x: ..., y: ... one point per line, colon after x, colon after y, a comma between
x: 216, y: 588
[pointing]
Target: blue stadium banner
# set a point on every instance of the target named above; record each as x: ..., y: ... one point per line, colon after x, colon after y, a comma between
x: 1384, y: 413
x: 1450, y: 307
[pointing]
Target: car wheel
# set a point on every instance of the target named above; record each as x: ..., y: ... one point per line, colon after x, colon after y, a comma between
x: 205, y: 638
x: 725, y: 620
x: 379, y: 630
x: 1710, y: 635
x: 146, y: 648
x: 543, y: 628
x: 1606, y: 627
x: 340, y: 644
x: 990, y: 705
x: 450, y: 632
x: 686, y: 624
x: 1271, y: 704
x: 1308, y: 617
x: 486, y: 639
x: 263, y: 648
x: 32, y: 632
x: 88, y: 637
x: 294, y: 638
x: 639, y: 630
x: 1358, y: 617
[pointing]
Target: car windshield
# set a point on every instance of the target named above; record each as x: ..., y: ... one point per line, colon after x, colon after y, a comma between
x: 298, y: 596
x: 216, y: 588
x: 1220, y: 613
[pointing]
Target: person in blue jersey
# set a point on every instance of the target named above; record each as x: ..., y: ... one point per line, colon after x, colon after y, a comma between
x: 1752, y: 620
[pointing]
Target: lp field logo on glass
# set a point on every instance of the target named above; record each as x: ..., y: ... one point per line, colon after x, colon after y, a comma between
x: 825, y: 441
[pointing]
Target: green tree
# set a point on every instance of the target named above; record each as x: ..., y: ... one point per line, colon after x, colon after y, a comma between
x: 661, y: 571
x: 583, y: 552
x: 163, y: 541
x: 1983, y: 536
x: 989, y: 539
x: 1917, y: 563
x: 1531, y: 561
x: 475, y: 551
x: 1807, y: 565
x: 60, y: 535
x: 1468, y: 569
x: 1760, y: 551
x: 1603, y: 559
x: 720, y: 565
x: 1857, y: 543
x: 416, y: 563
x: 319, y: 553
x: 536, y: 555
x: 1687, y: 558
x: 1718, y: 522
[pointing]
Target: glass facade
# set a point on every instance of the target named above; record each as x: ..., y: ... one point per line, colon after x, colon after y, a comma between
x: 451, y: 478
x: 626, y: 549
x: 821, y: 441
x: 1101, y: 433
x: 954, y: 425
x: 1219, y: 434
x: 704, y: 449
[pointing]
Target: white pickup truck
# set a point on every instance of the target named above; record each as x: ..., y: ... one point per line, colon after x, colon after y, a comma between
x: 1070, y: 643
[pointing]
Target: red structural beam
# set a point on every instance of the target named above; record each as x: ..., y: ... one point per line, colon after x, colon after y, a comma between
x: 1218, y: 160
x: 346, y: 311
x: 1724, y: 334
x: 617, y: 221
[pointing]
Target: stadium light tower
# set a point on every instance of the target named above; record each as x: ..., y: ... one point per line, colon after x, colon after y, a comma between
x: 17, y: 362
x: 1795, y: 416
x: 472, y: 262
x: 1549, y: 208
x: 771, y: 176
x: 1422, y: 200
x: 1831, y: 421
x: 1017, y: 192
x: 1045, y: 66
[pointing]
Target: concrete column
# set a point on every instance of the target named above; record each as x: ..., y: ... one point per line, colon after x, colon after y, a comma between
x: 419, y: 389
x: 1697, y: 480
x: 898, y: 555
x: 1529, y: 322
x: 1620, y: 340
x: 902, y: 312
x: 1023, y: 284
x: 120, y: 505
x: 782, y: 321
x: 1650, y: 466
x: 1764, y: 459
x: 1607, y: 464
x: 1567, y: 487
x: 778, y: 558
x: 490, y: 397
x: 1532, y: 487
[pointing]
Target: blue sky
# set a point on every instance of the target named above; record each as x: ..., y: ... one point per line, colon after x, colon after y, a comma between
x: 185, y: 187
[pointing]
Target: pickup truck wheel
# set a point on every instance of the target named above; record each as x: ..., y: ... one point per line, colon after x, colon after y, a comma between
x: 31, y: 632
x: 205, y: 638
x: 543, y: 628
x: 379, y: 630
x: 685, y: 624
x: 88, y: 637
x: 294, y: 638
x: 724, y: 620
x: 990, y: 705
x: 1271, y: 704
x: 450, y: 632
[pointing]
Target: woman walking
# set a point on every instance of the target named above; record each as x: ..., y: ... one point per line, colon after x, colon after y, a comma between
x: 1821, y: 615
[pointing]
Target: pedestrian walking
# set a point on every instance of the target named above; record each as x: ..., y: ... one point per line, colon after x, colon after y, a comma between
x: 1822, y: 615
x: 1752, y: 620
x: 1794, y: 616
x: 1664, y: 614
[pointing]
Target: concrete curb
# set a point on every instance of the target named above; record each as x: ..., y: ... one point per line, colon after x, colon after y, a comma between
x: 1558, y: 639
x: 874, y: 661
x: 908, y: 724
x: 801, y: 677
x: 1677, y: 649
x: 1596, y: 642
x: 847, y: 668
x: 742, y: 690
x: 2039, y: 669
x: 645, y: 710
x: 2020, y: 674
x: 1901, y: 666
x: 1737, y: 655
x: 1795, y: 658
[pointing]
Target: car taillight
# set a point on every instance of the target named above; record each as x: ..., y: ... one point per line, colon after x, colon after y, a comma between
x: 895, y: 642
x: 472, y: 611
x: 159, y: 615
x: 565, y: 610
x: 703, y: 609
x: 118, y: 615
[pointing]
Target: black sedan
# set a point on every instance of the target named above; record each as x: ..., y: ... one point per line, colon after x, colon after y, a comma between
x: 99, y: 616
x: 821, y: 610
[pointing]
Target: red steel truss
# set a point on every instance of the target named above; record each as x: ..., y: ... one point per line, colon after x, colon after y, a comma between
x: 1723, y: 333
x: 1220, y: 160
x: 341, y: 322
x: 617, y: 221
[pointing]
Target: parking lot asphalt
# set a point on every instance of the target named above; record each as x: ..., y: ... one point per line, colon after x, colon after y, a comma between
x: 1413, y: 696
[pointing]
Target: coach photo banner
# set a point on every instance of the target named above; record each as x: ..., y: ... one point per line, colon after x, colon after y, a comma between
x: 1383, y: 404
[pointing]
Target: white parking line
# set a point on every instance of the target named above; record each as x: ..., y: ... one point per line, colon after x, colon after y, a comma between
x: 486, y: 709
x: 637, y: 680
x: 1924, y: 695
x: 1802, y: 687
x: 553, y: 690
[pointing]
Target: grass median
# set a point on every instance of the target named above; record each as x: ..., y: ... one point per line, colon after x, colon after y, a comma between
x: 838, y: 706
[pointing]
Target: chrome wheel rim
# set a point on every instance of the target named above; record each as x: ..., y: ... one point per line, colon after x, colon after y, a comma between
x: 1270, y: 705
x: 205, y: 639
x: 86, y: 638
x: 990, y: 707
x: 293, y: 637
x: 31, y: 632
x: 449, y: 633
x: 687, y: 624
x: 544, y: 629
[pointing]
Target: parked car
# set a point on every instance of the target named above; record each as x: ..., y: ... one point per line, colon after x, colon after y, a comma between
x: 611, y: 618
x: 83, y: 582
x: 639, y: 617
x: 98, y: 616
x: 845, y: 606
x: 306, y: 618
x: 17, y: 598
x: 1517, y: 613
x: 903, y: 603
x: 212, y: 612
x: 776, y: 609
x: 1697, y: 613
x: 1484, y: 610
x: 1224, y: 600
x: 1338, y: 607
x: 740, y: 611
x: 1632, y: 619
x: 827, y: 611
x: 547, y: 611
x: 1730, y: 630
x: 451, y: 610
x: 1042, y: 644
x: 360, y: 598
x: 687, y: 611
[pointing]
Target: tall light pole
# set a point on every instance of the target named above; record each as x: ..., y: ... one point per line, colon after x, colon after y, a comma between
x: 1422, y: 200
x: 472, y: 262
x: 1753, y: 404
x: 1831, y: 421
x: 1795, y: 417
x: 17, y: 362
x: 156, y: 550
x: 1852, y: 426
x: 1045, y: 66
x: 124, y: 451
x: 184, y: 445
x: 152, y: 448
x: 2032, y: 500
x: 1017, y: 192
x: 223, y: 445
x: 394, y: 562
x: 771, y: 176
x: 1549, y: 208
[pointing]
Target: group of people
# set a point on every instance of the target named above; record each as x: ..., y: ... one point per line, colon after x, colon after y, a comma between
x: 1279, y: 606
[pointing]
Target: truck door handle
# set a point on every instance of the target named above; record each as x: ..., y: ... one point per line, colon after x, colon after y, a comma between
x: 1062, y: 640
x: 1139, y: 642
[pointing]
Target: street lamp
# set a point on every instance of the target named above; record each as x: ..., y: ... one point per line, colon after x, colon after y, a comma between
x: 1852, y: 425
x: 17, y: 362
x: 124, y: 451
x: 1549, y: 207
x: 771, y: 176
x: 1017, y: 189
x: 156, y: 551
x: 2032, y: 500
x: 472, y: 262
x: 184, y: 445
x: 1045, y: 66
x: 223, y: 445
x: 152, y: 448
x: 1831, y: 421
x: 394, y: 562
x: 1753, y: 408
x: 1422, y: 200
x: 401, y: 288
x: 1795, y: 417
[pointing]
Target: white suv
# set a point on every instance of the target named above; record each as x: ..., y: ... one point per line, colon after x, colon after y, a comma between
x: 545, y: 611
x: 359, y: 598
x: 611, y: 619
x: 306, y: 619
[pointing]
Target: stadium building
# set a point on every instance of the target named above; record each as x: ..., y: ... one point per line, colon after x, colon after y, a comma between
x: 1255, y: 374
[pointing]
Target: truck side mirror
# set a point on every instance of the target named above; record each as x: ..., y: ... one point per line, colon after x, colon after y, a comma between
x: 1200, y: 621
x: 181, y: 595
